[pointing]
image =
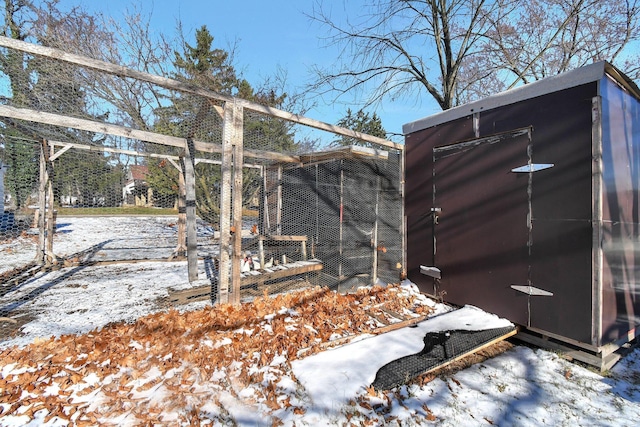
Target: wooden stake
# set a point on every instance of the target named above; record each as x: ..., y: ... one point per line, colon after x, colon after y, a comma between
x: 181, y: 247
x: 225, y: 205
x: 237, y: 144
x: 190, y: 193
x: 42, y: 205
x: 374, y: 267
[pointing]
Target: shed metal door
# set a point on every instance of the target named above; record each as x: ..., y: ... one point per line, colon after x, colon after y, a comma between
x: 482, y: 232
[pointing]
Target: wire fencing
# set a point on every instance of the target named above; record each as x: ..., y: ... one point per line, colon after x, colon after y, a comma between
x: 223, y: 197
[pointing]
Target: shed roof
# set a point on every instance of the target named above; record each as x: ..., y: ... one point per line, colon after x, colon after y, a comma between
x: 579, y: 76
x: 347, y: 152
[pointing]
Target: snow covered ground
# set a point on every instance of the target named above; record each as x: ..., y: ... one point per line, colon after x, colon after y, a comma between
x: 520, y: 387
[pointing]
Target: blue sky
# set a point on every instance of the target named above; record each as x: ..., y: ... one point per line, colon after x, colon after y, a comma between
x: 270, y: 35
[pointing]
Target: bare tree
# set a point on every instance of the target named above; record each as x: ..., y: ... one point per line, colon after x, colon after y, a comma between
x: 458, y: 50
x: 532, y: 40
x: 129, y: 42
x: 397, y: 48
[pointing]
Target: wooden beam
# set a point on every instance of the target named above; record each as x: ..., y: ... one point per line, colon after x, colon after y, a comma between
x: 349, y: 152
x: 296, y: 118
x: 281, y: 238
x: 122, y: 71
x: 60, y: 152
x: 170, y: 158
x: 378, y: 331
x: 472, y: 351
x: 108, y: 67
x: 107, y: 128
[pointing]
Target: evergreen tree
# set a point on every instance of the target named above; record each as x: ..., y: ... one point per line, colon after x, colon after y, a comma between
x: 193, y: 116
x: 46, y: 85
x: 360, y: 122
x: 21, y: 146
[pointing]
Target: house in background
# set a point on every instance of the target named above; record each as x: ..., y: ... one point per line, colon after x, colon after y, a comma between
x: 136, y: 191
x: 528, y: 204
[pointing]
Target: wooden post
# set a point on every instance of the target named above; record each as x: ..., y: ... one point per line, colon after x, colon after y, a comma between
x: 190, y: 202
x: 237, y: 203
x: 2, y: 172
x: 181, y: 247
x: 403, y: 219
x: 225, y: 205
x: 42, y: 205
x: 49, y: 209
x: 340, y: 230
x: 231, y: 192
x: 279, y: 202
x: 44, y: 255
x: 261, y: 255
x: 264, y: 204
x: 374, y: 237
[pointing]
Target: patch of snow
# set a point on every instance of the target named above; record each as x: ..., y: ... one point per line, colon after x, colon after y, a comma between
x: 523, y: 387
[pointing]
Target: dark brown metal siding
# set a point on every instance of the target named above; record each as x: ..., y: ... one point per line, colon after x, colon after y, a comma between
x: 419, y: 193
x: 482, y: 232
x: 561, y: 204
x: 561, y: 254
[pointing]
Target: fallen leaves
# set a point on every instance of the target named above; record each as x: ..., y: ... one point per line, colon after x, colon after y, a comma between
x: 428, y: 413
x: 167, y: 357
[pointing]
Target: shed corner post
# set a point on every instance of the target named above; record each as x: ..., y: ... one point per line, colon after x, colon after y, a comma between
x: 597, y: 225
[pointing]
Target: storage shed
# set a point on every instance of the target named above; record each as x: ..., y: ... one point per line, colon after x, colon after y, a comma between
x: 528, y: 204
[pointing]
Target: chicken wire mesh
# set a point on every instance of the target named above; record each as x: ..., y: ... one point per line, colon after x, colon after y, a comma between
x: 191, y: 186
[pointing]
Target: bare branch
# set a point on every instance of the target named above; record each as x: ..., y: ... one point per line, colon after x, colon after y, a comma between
x: 455, y: 50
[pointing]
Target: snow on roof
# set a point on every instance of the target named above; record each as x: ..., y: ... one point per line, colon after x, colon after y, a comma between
x: 577, y: 77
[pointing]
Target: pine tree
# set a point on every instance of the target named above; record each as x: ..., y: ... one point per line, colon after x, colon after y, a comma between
x: 360, y: 122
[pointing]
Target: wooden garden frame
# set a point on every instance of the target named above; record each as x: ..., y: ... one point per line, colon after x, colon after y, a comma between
x: 232, y: 151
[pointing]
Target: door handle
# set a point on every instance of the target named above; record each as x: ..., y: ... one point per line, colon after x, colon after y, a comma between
x: 435, y: 212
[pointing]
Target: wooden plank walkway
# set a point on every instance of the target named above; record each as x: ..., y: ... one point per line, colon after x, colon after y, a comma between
x: 258, y: 278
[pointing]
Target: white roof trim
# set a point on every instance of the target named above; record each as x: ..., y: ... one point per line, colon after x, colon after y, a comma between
x: 579, y: 76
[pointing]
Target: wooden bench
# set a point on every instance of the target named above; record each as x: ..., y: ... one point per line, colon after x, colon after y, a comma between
x: 267, y: 240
